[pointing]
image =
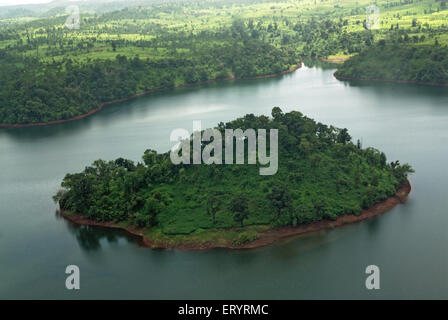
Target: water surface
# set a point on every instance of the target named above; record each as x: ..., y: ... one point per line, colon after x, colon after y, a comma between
x: 407, y: 122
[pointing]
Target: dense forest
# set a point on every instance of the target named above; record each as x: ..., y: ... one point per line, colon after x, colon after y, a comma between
x: 322, y: 174
x: 398, y: 62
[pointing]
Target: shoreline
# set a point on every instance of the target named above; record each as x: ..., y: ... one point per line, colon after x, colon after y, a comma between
x: 142, y: 93
x: 434, y: 84
x: 334, y: 60
x: 331, y: 60
x: 266, y: 237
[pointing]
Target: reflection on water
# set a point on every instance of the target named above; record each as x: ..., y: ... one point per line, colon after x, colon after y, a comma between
x: 90, y: 237
x: 373, y: 225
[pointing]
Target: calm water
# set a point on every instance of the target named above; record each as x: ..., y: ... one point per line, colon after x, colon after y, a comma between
x: 408, y: 122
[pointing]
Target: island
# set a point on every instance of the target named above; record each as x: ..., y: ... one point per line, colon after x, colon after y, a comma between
x: 324, y: 180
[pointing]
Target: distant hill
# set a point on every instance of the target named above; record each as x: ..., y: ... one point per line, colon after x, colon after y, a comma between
x: 58, y: 7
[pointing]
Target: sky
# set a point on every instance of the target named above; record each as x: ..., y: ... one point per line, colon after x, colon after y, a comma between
x: 17, y: 2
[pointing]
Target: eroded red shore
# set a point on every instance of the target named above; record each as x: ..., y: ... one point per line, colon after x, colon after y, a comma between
x: 82, y: 116
x: 266, y: 237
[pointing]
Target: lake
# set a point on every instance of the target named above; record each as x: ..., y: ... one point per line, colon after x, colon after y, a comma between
x: 408, y: 244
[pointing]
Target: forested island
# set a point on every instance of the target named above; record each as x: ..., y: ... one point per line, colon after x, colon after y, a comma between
x: 323, y: 180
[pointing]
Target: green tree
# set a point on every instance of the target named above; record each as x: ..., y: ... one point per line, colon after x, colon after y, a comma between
x: 239, y: 205
x: 213, y: 205
x: 280, y: 200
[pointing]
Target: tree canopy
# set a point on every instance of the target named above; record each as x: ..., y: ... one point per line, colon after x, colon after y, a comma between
x: 321, y: 175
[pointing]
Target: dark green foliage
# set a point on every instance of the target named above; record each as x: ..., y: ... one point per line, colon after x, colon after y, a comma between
x: 281, y: 203
x: 239, y: 205
x: 321, y: 175
x: 421, y: 63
